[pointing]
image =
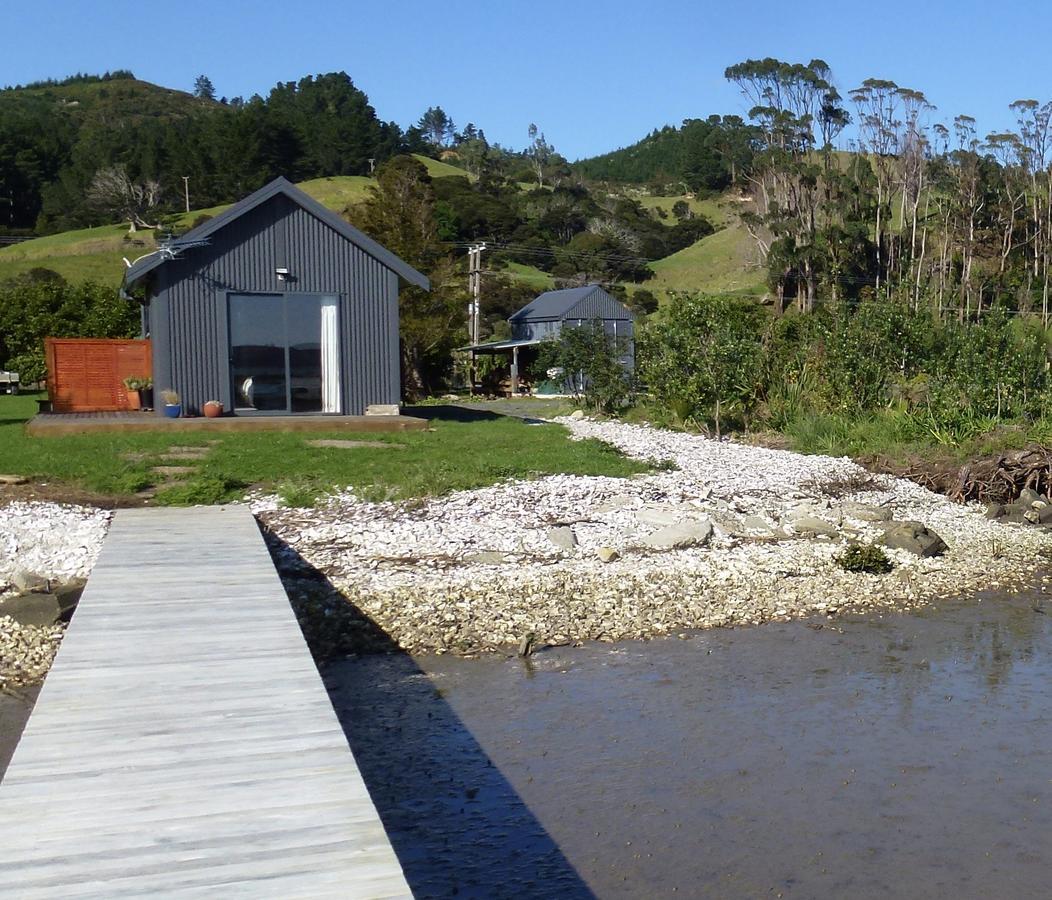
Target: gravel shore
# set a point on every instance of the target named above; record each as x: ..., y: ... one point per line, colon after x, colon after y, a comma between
x: 733, y: 535
x: 722, y: 534
x: 44, y: 542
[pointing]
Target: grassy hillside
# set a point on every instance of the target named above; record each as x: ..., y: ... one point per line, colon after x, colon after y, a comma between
x: 95, y: 254
x: 530, y: 276
x: 724, y: 262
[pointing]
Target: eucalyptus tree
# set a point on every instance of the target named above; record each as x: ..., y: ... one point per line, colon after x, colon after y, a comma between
x: 788, y: 99
x: 1034, y: 120
x: 1008, y: 150
x: 539, y: 152
x: 877, y: 103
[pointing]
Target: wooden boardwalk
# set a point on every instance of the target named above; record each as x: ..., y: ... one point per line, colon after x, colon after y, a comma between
x: 183, y: 743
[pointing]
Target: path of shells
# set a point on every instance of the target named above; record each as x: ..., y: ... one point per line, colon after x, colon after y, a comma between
x: 58, y: 542
x: 483, y: 569
x: 478, y: 570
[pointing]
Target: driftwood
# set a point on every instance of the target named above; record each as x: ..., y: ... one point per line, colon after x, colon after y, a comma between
x: 1002, y: 478
x: 994, y: 479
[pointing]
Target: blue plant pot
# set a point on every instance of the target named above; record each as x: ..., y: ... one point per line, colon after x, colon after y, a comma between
x: 173, y: 410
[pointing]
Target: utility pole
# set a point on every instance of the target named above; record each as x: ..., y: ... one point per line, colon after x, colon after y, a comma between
x: 475, y: 283
x: 186, y: 191
x: 475, y: 287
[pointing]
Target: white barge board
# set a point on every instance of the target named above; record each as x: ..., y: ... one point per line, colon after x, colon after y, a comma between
x: 183, y: 743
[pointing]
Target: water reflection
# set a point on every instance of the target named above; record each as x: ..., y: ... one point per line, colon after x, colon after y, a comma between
x: 891, y: 756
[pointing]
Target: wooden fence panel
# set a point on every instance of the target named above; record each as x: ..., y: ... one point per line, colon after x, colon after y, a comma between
x: 87, y: 374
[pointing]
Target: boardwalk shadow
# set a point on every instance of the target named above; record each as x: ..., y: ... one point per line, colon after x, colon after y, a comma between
x: 458, y: 826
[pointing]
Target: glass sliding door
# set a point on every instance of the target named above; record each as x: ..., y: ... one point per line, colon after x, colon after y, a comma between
x: 257, y: 352
x: 304, y: 331
x: 285, y: 353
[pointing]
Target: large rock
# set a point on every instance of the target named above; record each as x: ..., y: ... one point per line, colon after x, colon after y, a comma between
x: 38, y: 610
x: 661, y: 515
x: 688, y: 533
x: 607, y: 554
x: 1039, y: 515
x: 865, y: 512
x: 621, y: 501
x: 1027, y: 496
x: 486, y: 558
x: 41, y: 609
x: 26, y: 580
x: 563, y: 537
x: 813, y: 525
x: 758, y: 524
x: 913, y: 537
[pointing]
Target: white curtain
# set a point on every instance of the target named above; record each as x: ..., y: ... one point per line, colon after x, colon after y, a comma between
x: 330, y: 356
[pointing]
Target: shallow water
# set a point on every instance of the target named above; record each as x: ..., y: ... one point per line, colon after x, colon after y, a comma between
x: 895, y: 756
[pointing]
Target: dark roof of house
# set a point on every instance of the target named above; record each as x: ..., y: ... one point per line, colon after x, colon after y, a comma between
x: 589, y: 302
x: 196, y: 236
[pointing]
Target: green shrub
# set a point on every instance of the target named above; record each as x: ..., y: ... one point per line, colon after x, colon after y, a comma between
x: 867, y: 558
x: 41, y: 304
x: 700, y: 358
x: 591, y: 361
x: 301, y: 494
x: 30, y: 366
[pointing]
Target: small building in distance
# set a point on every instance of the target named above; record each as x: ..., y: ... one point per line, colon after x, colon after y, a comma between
x: 544, y: 317
x: 276, y: 306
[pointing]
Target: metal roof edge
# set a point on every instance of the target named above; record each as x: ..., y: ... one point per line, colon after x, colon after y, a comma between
x: 282, y: 185
x: 599, y: 287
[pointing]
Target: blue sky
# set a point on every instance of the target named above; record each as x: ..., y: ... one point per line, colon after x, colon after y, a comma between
x: 593, y: 75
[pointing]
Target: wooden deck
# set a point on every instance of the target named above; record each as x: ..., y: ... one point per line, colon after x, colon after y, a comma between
x: 183, y: 743
x: 65, y: 424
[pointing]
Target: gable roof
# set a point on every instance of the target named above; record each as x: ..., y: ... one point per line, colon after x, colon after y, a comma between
x: 560, y: 305
x: 283, y: 186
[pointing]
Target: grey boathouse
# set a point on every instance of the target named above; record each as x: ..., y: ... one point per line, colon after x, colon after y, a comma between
x: 276, y: 306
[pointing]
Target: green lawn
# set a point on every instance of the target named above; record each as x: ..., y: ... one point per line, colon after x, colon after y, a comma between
x: 453, y: 456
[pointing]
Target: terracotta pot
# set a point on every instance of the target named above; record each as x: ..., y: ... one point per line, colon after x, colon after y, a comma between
x: 213, y: 410
x: 133, y: 400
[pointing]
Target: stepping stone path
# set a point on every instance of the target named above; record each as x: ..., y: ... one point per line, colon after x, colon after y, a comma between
x: 191, y: 453
x: 169, y: 471
x: 172, y: 469
x: 351, y: 445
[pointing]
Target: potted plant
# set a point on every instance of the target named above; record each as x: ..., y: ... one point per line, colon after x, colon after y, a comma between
x: 213, y: 409
x: 173, y: 404
x: 146, y: 393
x: 131, y: 390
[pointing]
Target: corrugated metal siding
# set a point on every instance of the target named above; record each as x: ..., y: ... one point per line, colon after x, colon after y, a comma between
x: 533, y: 330
x: 242, y: 258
